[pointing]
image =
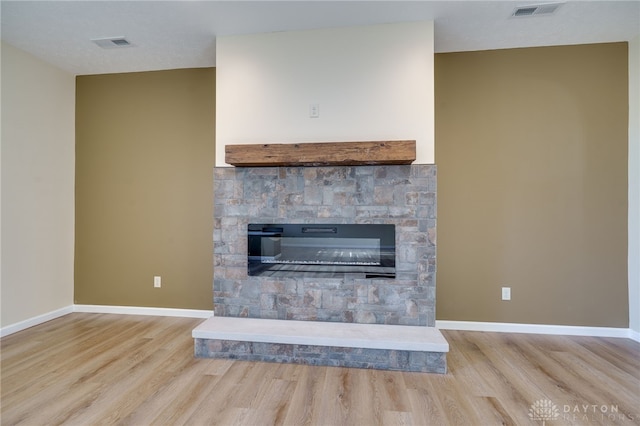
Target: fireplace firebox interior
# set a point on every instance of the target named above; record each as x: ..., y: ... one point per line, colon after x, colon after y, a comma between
x: 323, y: 250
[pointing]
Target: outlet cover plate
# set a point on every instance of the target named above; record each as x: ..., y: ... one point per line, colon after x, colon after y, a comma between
x: 506, y: 293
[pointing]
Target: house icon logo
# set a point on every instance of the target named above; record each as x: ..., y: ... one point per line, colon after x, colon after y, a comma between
x: 543, y: 410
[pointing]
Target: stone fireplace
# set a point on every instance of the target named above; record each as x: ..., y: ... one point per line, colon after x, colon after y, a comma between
x: 399, y: 195
x: 352, y: 166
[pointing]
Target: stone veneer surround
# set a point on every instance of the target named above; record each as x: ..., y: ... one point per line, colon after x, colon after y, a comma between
x: 404, y: 195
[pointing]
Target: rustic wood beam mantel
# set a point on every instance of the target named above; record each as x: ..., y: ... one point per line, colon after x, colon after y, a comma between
x: 322, y: 154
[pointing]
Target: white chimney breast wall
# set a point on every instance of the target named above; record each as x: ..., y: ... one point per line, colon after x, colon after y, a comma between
x: 370, y: 83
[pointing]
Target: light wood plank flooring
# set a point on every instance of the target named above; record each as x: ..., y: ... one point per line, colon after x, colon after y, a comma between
x: 86, y: 369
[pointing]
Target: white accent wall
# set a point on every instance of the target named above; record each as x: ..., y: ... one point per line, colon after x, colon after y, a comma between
x: 37, y: 168
x: 634, y: 184
x: 370, y: 83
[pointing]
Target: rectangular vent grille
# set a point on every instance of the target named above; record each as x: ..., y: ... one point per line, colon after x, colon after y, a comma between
x: 525, y: 11
x: 112, y: 42
x: 536, y: 10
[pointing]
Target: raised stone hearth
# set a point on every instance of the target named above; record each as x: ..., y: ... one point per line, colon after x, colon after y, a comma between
x: 388, y: 347
x: 401, y: 195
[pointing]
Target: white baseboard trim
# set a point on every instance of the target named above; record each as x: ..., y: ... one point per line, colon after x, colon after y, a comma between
x: 568, y: 330
x: 23, y: 325
x: 140, y: 310
x: 104, y: 309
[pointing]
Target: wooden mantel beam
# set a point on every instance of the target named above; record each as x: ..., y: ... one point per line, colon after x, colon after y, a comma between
x: 322, y: 154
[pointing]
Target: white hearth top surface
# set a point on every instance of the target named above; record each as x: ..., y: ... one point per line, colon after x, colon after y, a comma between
x: 321, y: 333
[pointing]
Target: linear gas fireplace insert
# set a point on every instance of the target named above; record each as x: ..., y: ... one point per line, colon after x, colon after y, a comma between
x: 324, y: 250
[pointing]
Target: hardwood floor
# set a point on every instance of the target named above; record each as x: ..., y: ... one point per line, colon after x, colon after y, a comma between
x: 86, y: 369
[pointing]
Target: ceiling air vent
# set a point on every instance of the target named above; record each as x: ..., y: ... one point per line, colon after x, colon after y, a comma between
x: 112, y: 42
x: 536, y: 10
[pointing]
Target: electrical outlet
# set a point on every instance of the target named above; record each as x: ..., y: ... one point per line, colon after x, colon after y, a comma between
x: 157, y: 281
x: 506, y: 293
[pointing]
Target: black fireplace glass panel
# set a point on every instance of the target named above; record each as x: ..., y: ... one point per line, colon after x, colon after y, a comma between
x: 321, y: 250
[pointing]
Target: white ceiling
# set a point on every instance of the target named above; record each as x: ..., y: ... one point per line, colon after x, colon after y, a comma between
x: 181, y: 34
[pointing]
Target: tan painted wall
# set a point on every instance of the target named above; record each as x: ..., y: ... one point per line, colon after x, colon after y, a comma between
x: 531, y: 148
x: 144, y: 178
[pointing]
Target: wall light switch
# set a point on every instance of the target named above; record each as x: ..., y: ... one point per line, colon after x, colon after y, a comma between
x: 314, y: 110
x: 157, y: 281
x: 506, y: 293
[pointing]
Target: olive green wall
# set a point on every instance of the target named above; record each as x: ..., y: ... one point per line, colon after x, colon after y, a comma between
x: 144, y: 181
x: 531, y: 148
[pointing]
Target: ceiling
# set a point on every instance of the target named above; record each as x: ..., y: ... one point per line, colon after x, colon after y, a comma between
x: 181, y: 34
